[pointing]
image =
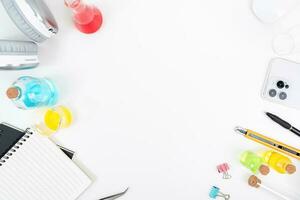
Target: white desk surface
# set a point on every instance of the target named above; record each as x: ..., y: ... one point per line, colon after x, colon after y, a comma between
x: 157, y: 92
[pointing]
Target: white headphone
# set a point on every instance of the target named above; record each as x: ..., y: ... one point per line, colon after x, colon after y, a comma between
x: 35, y: 20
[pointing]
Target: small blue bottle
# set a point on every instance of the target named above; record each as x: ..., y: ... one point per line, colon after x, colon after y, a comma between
x: 29, y: 92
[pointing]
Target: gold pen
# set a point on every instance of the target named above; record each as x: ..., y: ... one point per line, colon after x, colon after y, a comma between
x: 269, y: 142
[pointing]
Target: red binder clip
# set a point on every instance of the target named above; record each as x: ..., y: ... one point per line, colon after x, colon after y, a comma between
x: 224, y: 168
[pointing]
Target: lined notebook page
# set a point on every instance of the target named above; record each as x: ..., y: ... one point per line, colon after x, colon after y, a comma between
x: 39, y: 170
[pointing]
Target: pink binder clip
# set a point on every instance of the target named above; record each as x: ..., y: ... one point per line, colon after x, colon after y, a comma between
x: 223, y: 168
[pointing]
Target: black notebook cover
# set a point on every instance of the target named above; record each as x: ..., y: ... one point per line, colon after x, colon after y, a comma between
x: 9, y: 136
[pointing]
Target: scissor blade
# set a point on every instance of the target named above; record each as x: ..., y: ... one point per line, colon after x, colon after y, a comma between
x: 115, y: 196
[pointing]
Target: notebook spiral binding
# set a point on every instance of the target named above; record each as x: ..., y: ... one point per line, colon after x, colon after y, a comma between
x: 10, y: 153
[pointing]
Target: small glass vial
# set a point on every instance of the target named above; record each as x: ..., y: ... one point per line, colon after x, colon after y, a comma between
x: 87, y: 18
x: 29, y: 92
x: 279, y: 162
x: 54, y: 119
x: 254, y: 162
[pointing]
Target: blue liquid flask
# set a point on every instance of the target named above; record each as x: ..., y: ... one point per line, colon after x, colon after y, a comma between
x: 29, y: 92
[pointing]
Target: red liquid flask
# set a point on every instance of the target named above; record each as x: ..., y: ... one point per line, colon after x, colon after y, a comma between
x: 87, y: 18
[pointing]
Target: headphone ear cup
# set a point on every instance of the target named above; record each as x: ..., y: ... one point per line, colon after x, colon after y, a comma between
x: 18, y: 48
x: 18, y: 55
x: 20, y: 21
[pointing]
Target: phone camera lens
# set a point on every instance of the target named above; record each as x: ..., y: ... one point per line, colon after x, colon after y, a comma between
x: 282, y: 95
x: 280, y: 84
x: 272, y: 93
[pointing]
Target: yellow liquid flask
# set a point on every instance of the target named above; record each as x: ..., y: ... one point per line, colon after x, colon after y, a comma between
x: 55, y: 119
x: 279, y: 162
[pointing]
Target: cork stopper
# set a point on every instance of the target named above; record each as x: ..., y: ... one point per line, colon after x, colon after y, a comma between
x: 290, y: 169
x: 264, y: 170
x: 253, y: 181
x: 12, y: 92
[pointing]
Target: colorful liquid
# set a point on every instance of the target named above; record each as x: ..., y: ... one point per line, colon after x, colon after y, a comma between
x: 278, y: 162
x: 253, y: 162
x: 93, y: 25
x: 54, y: 120
x: 87, y: 18
x: 30, y: 92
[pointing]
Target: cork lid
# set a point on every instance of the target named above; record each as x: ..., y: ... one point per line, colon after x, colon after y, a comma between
x: 253, y: 181
x: 290, y: 169
x: 12, y: 92
x: 264, y: 170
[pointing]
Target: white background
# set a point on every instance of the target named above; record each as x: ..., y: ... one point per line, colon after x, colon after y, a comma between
x: 157, y: 92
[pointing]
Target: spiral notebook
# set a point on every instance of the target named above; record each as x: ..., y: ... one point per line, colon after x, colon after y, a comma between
x: 32, y: 167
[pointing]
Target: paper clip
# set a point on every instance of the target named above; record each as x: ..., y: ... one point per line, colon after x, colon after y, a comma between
x: 223, y: 168
x: 215, y: 192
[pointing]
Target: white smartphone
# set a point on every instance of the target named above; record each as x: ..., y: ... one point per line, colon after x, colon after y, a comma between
x: 282, y: 83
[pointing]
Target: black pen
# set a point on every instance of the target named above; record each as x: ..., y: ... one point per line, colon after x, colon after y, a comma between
x: 283, y: 123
